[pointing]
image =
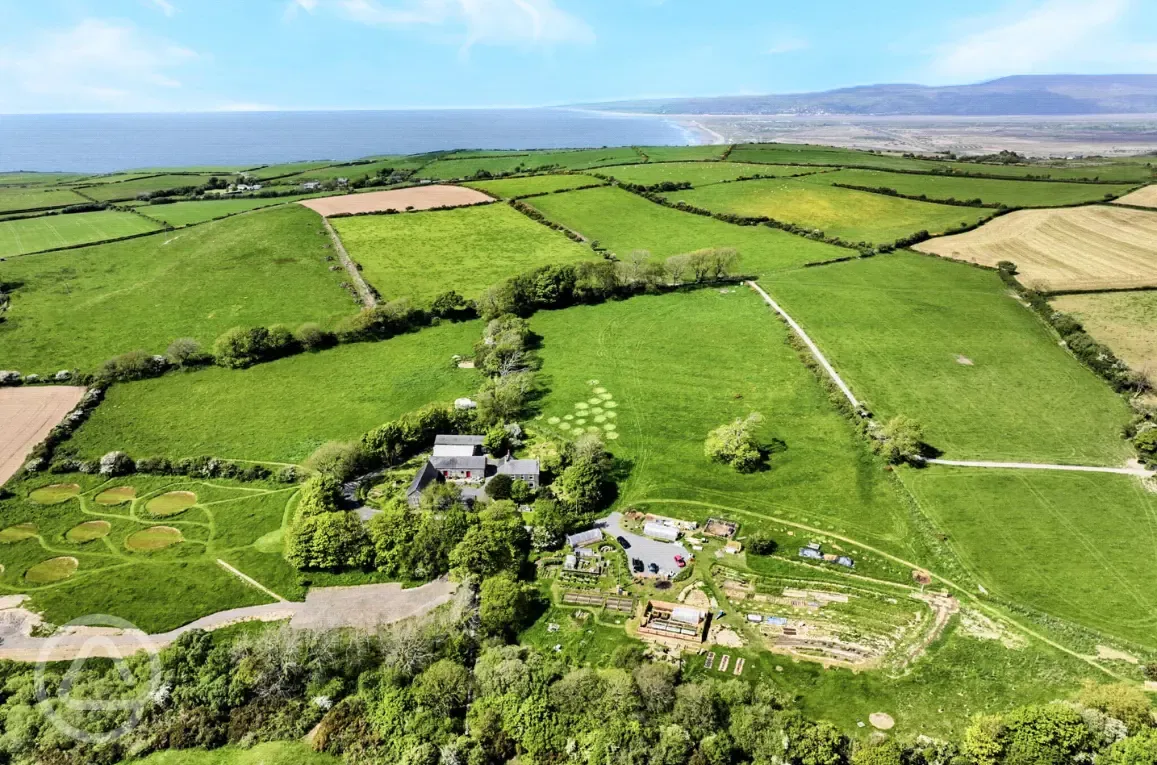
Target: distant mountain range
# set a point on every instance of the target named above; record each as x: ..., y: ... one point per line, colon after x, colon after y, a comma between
x: 1057, y: 95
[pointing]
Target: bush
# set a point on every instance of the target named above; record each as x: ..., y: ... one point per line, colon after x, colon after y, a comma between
x: 134, y: 365
x: 499, y: 487
x: 901, y: 440
x: 116, y: 463
x: 185, y: 352
x: 761, y: 544
x: 496, y: 442
x: 312, y: 337
x: 521, y: 493
x: 239, y: 347
x: 735, y: 444
x: 340, y: 460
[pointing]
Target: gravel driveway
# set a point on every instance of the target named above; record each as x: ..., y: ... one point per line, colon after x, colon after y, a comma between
x: 644, y: 548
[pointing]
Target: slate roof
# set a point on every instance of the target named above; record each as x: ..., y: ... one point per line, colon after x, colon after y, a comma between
x: 459, y: 463
x: 518, y: 467
x: 458, y: 440
x: 424, y: 477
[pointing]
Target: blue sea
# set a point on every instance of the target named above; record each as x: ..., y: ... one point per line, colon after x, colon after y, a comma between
x: 101, y: 143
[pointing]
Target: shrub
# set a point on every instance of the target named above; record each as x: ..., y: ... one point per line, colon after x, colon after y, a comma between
x: 340, y: 460
x: 312, y: 337
x: 496, y: 442
x: 735, y: 444
x: 155, y: 465
x: 901, y: 440
x: 520, y: 492
x: 239, y: 347
x: 760, y: 543
x: 134, y: 365
x: 499, y: 487
x: 116, y: 463
x: 185, y: 352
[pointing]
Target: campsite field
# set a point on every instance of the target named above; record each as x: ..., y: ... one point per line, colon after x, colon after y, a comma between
x: 987, y: 190
x: 1075, y: 546
x: 24, y: 198
x: 1143, y: 197
x: 19, y: 237
x: 422, y: 255
x: 1124, y: 321
x: 75, y: 309
x: 697, y: 173
x: 282, y: 410
x: 157, y: 589
x: 944, y: 344
x: 510, y: 188
x: 655, y: 374
x: 851, y: 215
x: 125, y: 190
x: 623, y: 222
x: 1081, y: 248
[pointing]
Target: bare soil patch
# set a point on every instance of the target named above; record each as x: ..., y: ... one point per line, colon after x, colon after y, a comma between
x: 402, y: 200
x: 1075, y: 248
x: 28, y: 414
x: 881, y: 721
x: 964, y: 361
x: 116, y: 495
x: 1146, y: 197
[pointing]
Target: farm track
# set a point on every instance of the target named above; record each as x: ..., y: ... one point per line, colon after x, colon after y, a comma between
x: 368, y: 298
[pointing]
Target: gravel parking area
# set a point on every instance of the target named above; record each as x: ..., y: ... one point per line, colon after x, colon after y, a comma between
x: 644, y: 548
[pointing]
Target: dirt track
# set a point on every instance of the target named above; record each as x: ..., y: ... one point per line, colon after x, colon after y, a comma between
x: 1076, y: 248
x: 416, y: 198
x: 26, y: 416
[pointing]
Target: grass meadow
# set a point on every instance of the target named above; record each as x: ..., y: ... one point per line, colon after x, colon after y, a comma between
x: 707, y: 151
x: 501, y: 162
x: 282, y: 410
x: 423, y: 254
x: 23, y: 198
x: 697, y: 173
x: 510, y: 188
x: 988, y: 190
x: 19, y: 237
x: 945, y: 344
x: 124, y: 190
x: 158, y: 589
x: 622, y: 222
x: 290, y: 168
x: 655, y: 374
x: 351, y: 171
x: 77, y: 308
x: 851, y: 215
x: 1124, y: 321
x: 1078, y: 546
x: 187, y: 213
x: 37, y: 179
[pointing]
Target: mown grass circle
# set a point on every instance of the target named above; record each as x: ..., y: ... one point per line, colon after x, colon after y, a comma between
x: 153, y: 538
x: 18, y: 533
x: 88, y: 531
x: 116, y: 495
x: 52, y: 570
x: 54, y: 494
x: 171, y: 503
x: 613, y: 435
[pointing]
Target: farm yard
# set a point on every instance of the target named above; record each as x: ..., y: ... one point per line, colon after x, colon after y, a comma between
x: 853, y: 216
x: 422, y: 255
x: 76, y: 309
x: 1082, y: 248
x: 19, y: 237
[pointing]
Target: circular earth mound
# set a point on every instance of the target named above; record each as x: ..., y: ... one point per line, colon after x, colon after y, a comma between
x: 270, y: 543
x: 54, y: 494
x: 88, y: 531
x: 52, y: 570
x: 116, y: 495
x: 17, y: 533
x: 153, y: 538
x: 172, y: 503
x: 881, y: 720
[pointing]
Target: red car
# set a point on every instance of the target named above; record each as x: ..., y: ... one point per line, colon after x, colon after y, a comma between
x: 680, y: 561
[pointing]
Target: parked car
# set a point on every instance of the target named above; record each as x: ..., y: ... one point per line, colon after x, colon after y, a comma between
x: 637, y: 565
x: 623, y: 542
x: 680, y: 561
x: 654, y: 568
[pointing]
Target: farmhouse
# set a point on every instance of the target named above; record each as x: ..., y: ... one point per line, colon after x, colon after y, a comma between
x: 460, y: 460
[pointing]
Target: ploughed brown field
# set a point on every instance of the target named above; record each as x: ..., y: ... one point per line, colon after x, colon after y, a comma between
x: 26, y: 416
x: 416, y: 198
x: 1075, y: 248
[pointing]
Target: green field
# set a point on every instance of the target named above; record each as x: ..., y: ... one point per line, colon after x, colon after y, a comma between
x: 18, y: 237
x: 1076, y: 546
x: 675, y: 367
x: 623, y: 222
x: 75, y: 309
x: 353, y: 171
x: 282, y: 410
x: 684, y: 153
x: 943, y: 343
x: 187, y: 213
x: 697, y: 173
x: 290, y: 168
x: 854, y: 216
x: 125, y: 190
x: 37, y: 179
x: 988, y: 190
x: 495, y: 163
x: 23, y: 198
x: 160, y: 589
x: 421, y: 255
x: 509, y: 188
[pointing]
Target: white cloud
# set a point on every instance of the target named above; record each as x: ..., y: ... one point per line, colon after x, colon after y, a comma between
x: 95, y: 65
x: 487, y: 22
x: 165, y: 7
x: 787, y: 45
x: 1048, y: 34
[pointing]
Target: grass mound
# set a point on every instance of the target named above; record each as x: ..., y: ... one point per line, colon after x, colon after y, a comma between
x: 88, y: 531
x: 18, y: 533
x: 273, y: 542
x: 52, y: 570
x: 153, y: 538
x: 116, y: 496
x: 54, y: 494
x: 172, y: 503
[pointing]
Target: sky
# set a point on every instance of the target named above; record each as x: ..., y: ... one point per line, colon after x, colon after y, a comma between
x: 219, y: 55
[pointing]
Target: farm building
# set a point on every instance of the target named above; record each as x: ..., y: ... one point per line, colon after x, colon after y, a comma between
x: 673, y: 621
x: 658, y: 530
x: 584, y: 538
x: 460, y: 459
